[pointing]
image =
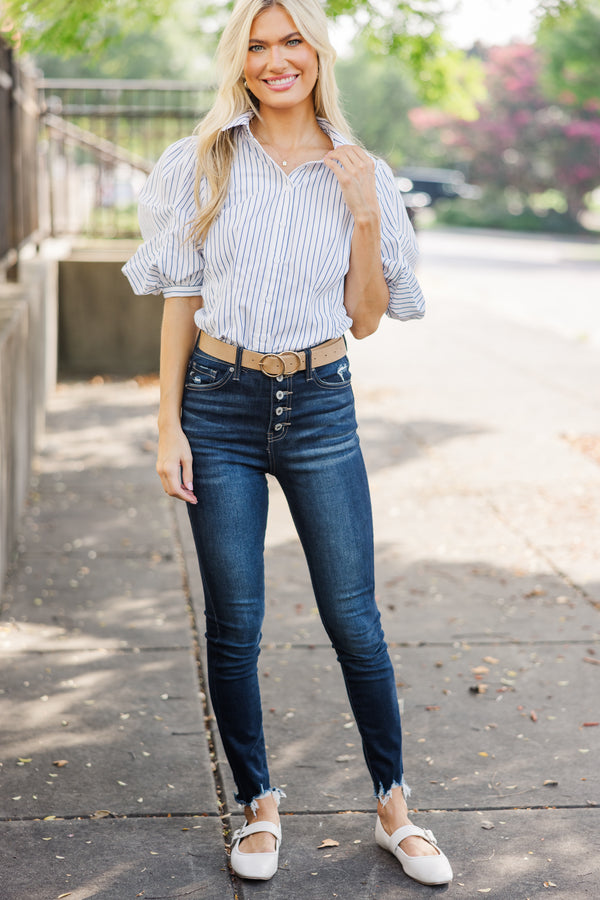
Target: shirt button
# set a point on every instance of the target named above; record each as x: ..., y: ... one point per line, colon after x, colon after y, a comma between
x: 280, y: 395
x: 278, y: 427
x: 268, y: 299
x: 279, y: 410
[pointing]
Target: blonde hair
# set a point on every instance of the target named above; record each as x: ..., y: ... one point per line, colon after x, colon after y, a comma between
x: 216, y: 148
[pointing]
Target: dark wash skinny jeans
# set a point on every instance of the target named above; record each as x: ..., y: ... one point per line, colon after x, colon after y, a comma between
x: 301, y: 428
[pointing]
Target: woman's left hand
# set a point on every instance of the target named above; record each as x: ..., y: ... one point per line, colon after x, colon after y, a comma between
x: 355, y: 171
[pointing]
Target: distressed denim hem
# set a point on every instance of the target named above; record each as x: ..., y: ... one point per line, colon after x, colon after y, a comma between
x: 276, y: 792
x: 383, y: 796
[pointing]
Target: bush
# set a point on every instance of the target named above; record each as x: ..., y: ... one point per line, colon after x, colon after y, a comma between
x: 492, y: 213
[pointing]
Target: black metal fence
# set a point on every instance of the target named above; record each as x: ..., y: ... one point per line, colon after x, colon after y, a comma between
x: 101, y: 138
x: 19, y: 127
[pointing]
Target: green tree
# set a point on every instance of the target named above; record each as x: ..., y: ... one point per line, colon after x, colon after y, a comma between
x: 569, y: 41
x: 379, y: 91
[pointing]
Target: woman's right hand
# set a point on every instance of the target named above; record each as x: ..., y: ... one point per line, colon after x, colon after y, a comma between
x: 174, y: 464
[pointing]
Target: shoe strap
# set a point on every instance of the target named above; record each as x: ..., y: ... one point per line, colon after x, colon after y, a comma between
x: 256, y: 827
x: 405, y: 831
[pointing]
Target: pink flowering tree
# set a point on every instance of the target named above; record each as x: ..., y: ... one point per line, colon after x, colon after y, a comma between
x: 523, y: 143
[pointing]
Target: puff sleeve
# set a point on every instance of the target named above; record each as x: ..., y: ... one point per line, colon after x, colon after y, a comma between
x: 398, y: 249
x: 167, y: 262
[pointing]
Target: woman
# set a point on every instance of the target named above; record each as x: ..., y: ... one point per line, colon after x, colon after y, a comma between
x: 296, y: 235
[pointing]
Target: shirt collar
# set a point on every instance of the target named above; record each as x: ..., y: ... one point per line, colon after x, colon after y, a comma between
x: 245, y: 118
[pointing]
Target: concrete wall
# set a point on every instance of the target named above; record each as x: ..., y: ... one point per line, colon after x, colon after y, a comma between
x: 103, y: 327
x: 27, y: 377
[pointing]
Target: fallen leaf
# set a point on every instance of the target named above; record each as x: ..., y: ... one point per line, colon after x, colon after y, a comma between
x: 480, y: 670
x: 594, y: 662
x: 487, y: 825
x: 344, y: 758
x: 550, y: 783
x: 482, y: 753
x: 590, y: 724
x: 432, y: 708
x: 59, y: 763
x: 549, y: 884
x: 483, y: 890
x: 101, y: 814
x: 23, y: 761
x: 491, y: 660
x: 478, y: 688
x: 328, y: 842
x: 533, y: 716
x: 68, y: 894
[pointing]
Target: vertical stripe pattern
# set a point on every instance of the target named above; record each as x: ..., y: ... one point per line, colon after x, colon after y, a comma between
x: 272, y: 269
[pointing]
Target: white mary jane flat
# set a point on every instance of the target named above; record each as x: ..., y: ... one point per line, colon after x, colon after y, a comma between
x: 258, y: 866
x: 425, y: 869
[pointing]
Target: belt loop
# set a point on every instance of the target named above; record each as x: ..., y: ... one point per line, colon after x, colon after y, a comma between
x: 238, y: 363
x: 309, y: 367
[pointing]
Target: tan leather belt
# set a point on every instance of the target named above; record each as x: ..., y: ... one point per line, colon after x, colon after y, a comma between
x: 274, y: 364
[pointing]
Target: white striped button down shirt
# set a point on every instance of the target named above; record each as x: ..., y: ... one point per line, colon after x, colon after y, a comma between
x: 271, y: 270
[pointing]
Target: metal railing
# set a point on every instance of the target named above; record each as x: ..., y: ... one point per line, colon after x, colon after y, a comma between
x: 101, y: 138
x: 19, y: 126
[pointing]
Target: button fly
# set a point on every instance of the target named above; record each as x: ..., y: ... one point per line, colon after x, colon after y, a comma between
x: 280, y: 395
x: 278, y: 427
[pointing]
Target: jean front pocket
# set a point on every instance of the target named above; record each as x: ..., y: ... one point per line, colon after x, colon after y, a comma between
x: 333, y: 375
x: 205, y: 373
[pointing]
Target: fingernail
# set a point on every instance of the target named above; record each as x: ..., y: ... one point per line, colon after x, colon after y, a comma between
x: 190, y: 486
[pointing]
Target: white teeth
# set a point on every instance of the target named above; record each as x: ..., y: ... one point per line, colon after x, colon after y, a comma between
x: 287, y: 80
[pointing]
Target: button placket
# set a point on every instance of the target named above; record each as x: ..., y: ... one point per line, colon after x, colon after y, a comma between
x: 276, y: 249
x: 280, y: 405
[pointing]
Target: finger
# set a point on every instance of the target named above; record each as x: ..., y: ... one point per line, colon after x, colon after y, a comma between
x: 187, y: 474
x: 349, y: 154
x: 171, y: 481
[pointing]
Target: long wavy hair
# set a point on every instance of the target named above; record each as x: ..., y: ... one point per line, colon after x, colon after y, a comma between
x: 216, y: 148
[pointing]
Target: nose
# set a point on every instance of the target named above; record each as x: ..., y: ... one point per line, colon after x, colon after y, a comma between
x: 277, y: 60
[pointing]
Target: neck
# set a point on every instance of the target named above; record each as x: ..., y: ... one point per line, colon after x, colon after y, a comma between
x: 286, y: 128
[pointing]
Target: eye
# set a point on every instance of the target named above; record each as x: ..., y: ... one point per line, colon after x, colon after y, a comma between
x: 294, y: 42
x: 254, y: 48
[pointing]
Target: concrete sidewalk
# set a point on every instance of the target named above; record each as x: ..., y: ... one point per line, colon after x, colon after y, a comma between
x: 488, y: 566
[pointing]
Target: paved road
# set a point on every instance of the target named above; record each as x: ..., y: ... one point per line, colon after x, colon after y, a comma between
x: 474, y: 424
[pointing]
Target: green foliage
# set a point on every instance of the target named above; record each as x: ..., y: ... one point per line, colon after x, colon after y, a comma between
x: 65, y: 27
x: 378, y: 92
x: 492, y: 211
x: 569, y: 41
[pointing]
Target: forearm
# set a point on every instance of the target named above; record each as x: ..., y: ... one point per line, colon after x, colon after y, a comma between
x: 178, y: 335
x: 366, y: 295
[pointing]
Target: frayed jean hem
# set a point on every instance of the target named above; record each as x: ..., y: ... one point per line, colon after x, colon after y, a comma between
x: 276, y: 793
x: 384, y: 796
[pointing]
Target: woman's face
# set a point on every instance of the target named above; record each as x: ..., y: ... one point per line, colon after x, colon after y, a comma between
x: 281, y: 67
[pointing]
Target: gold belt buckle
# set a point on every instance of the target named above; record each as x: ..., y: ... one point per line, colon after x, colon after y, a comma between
x: 274, y: 364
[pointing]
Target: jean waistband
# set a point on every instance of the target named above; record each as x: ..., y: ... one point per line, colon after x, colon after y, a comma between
x: 273, y: 364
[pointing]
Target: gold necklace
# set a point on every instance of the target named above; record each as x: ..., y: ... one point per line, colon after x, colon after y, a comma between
x: 278, y: 154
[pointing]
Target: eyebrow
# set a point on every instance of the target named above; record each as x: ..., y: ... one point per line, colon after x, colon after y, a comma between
x: 285, y: 38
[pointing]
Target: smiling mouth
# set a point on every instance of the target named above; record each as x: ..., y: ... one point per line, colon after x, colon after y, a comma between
x: 282, y: 81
